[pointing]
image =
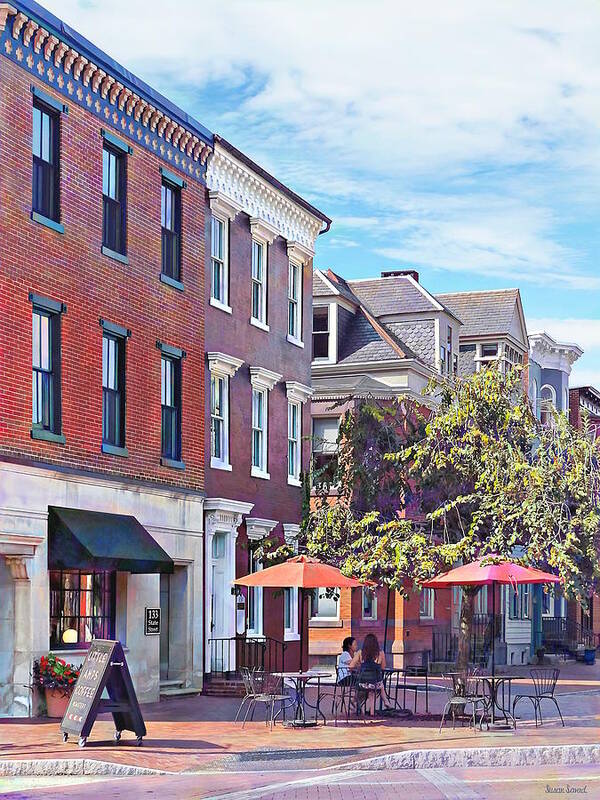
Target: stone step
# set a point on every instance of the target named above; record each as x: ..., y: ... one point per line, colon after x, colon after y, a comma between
x: 170, y: 684
x: 179, y: 692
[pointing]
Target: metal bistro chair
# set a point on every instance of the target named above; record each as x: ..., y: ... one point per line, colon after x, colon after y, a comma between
x: 408, y: 686
x: 345, y: 694
x: 267, y: 689
x: 464, y: 692
x: 544, y: 683
x: 246, y: 674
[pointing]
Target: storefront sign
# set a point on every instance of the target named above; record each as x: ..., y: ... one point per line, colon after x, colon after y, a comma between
x: 152, y: 622
x: 104, y: 667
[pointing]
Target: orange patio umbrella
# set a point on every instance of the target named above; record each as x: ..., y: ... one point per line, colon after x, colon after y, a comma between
x: 300, y: 572
x: 488, y: 571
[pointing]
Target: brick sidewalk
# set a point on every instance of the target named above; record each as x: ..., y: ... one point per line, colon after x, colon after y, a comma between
x: 197, y: 733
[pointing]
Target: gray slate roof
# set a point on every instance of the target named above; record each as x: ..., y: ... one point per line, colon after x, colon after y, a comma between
x: 483, y: 313
x: 393, y: 295
x: 363, y: 344
x: 340, y: 386
x: 419, y: 335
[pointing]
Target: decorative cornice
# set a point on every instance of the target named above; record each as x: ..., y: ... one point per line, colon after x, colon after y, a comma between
x: 262, y: 378
x: 17, y: 566
x: 291, y: 531
x: 51, y: 59
x: 259, y: 528
x: 260, y: 200
x: 550, y: 354
x: 223, y: 205
x: 298, y: 392
x: 262, y: 230
x: 223, y: 504
x: 223, y: 365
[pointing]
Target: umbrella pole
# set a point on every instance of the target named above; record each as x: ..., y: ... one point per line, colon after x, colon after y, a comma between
x: 301, y: 629
x: 493, y: 628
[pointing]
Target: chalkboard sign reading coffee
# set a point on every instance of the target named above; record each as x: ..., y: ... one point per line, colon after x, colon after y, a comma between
x: 104, y: 667
x: 152, y: 622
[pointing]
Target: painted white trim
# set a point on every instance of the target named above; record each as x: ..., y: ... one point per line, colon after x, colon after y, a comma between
x: 298, y: 392
x: 258, y: 324
x: 259, y: 198
x: 255, y: 472
x: 263, y: 378
x: 262, y: 230
x: 258, y: 528
x: 223, y: 365
x: 435, y: 303
x: 297, y: 342
x: 299, y: 254
x: 222, y: 205
x: 230, y: 506
x: 216, y: 304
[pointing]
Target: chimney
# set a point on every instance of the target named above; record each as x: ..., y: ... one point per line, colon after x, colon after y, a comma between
x: 392, y: 273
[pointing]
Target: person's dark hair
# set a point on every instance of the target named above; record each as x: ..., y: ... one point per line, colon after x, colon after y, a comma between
x: 347, y: 643
x: 370, y: 648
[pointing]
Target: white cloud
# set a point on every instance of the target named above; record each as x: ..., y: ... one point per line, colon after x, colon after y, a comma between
x: 584, y: 332
x: 372, y: 108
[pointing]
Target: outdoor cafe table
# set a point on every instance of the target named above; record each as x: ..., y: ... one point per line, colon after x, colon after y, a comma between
x: 300, y: 680
x: 496, y: 703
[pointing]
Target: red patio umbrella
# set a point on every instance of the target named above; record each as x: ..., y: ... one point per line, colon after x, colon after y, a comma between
x: 300, y: 572
x: 488, y: 571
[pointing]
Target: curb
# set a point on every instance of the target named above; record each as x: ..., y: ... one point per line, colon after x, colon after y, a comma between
x: 73, y: 766
x: 482, y: 757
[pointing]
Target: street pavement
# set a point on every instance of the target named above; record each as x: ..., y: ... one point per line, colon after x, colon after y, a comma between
x: 428, y: 784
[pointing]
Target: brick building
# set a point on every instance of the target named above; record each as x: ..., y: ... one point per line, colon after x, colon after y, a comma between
x: 106, y: 238
x: 258, y: 323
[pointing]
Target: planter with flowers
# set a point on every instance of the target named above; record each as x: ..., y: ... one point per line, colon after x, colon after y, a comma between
x: 57, y: 679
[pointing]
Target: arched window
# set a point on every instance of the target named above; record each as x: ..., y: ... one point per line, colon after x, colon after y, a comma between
x: 547, y: 404
x: 533, y: 397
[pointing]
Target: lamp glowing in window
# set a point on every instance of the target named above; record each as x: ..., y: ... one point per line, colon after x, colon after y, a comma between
x: 70, y: 636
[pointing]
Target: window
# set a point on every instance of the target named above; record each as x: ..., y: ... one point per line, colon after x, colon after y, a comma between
x: 259, y: 284
x: 259, y: 431
x: 481, y: 601
x: 170, y: 399
x: 518, y: 607
x: 290, y: 613
x: 82, y: 607
x: 113, y: 200
x: 489, y: 350
x: 170, y: 213
x: 534, y: 397
x: 547, y: 403
x: 113, y: 390
x: 219, y: 260
x: 442, y: 359
x: 449, y: 352
x: 369, y: 604
x: 295, y: 302
x: 254, y: 622
x: 426, y: 604
x: 219, y: 421
x: 455, y: 364
x: 320, y: 332
x: 46, y: 162
x: 294, y: 449
x: 46, y: 412
x: 324, y: 606
x: 324, y: 448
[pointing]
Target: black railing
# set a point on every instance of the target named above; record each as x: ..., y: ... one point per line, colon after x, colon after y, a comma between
x: 229, y: 655
x: 444, y: 645
x: 561, y: 634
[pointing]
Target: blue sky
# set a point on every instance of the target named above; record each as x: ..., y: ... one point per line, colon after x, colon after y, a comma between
x: 462, y: 139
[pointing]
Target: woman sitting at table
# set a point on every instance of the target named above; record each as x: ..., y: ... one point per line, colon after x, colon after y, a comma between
x: 348, y: 660
x: 370, y: 675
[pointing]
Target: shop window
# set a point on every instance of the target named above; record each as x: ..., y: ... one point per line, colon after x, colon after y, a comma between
x: 82, y: 607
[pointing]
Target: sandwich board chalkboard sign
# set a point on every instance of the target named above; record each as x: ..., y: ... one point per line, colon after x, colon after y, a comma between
x: 104, y: 667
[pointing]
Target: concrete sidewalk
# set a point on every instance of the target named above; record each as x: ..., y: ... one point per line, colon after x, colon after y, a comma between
x: 187, y: 735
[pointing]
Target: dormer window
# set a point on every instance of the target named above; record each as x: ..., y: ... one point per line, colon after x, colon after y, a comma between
x: 320, y: 332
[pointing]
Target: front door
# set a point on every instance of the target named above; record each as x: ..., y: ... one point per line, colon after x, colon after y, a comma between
x: 219, y: 629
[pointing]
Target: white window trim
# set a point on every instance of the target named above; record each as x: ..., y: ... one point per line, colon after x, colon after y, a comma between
x: 296, y: 340
x: 214, y: 301
x: 262, y: 471
x: 294, y: 478
x: 221, y: 365
x: 291, y: 634
x: 373, y: 616
x: 431, y: 615
x: 222, y: 463
x: 260, y: 323
x: 263, y: 380
x: 257, y: 529
x: 297, y: 394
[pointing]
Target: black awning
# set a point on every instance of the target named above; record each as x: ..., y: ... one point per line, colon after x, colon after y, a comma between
x: 98, y: 541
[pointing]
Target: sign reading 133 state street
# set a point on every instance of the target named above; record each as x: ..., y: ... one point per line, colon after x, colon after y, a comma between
x: 152, y: 621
